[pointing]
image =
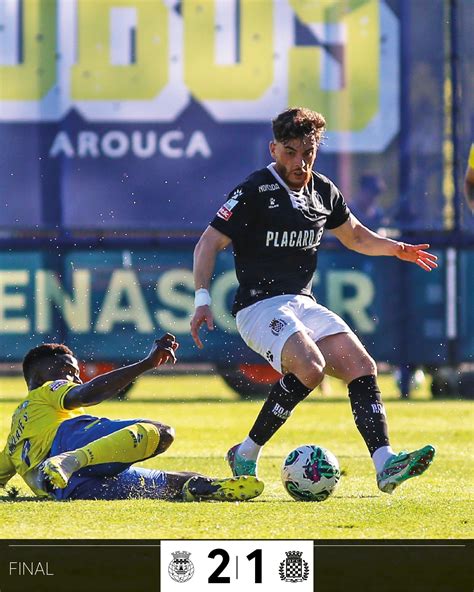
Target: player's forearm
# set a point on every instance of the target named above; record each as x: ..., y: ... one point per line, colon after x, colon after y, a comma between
x: 370, y: 243
x: 204, y: 262
x: 105, y: 386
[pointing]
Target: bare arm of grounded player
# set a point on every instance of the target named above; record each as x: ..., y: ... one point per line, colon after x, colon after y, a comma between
x: 357, y: 237
x: 107, y: 385
x: 211, y: 242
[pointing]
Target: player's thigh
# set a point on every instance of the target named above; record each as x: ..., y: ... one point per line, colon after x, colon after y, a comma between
x: 346, y: 357
x: 299, y: 349
x: 303, y: 358
x: 267, y: 325
x: 80, y: 431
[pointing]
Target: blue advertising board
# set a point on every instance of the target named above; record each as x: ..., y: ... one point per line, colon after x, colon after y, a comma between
x: 132, y: 115
x: 109, y: 305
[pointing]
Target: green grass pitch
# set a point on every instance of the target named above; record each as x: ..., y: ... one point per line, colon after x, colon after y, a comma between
x: 209, y: 418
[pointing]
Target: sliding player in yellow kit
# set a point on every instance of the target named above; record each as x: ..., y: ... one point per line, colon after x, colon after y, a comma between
x: 63, y: 453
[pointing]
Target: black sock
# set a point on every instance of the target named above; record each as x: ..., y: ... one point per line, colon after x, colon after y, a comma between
x: 369, y: 412
x: 283, y: 398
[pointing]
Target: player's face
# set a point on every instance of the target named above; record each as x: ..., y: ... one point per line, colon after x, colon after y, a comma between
x: 68, y: 368
x: 294, y: 160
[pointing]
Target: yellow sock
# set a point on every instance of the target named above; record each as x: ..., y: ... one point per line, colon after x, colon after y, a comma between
x: 131, y: 444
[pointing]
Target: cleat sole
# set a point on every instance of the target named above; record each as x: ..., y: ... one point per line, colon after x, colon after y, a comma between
x: 55, y: 477
x: 422, y: 464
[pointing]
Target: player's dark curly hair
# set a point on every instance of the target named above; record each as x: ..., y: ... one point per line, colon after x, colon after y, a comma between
x: 45, y: 350
x: 298, y: 122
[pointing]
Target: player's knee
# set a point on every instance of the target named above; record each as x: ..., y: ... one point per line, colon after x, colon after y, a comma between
x: 166, y: 438
x: 365, y: 366
x: 368, y: 366
x: 159, y: 437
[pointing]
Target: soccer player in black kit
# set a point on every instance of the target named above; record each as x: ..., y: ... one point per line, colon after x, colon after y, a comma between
x: 275, y: 220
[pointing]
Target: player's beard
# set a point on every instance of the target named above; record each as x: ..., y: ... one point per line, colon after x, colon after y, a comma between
x: 297, y: 181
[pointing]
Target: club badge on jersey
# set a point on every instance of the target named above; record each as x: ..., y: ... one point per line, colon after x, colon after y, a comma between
x: 225, y: 211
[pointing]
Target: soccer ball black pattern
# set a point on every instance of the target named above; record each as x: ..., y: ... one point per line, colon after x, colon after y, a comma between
x: 310, y: 473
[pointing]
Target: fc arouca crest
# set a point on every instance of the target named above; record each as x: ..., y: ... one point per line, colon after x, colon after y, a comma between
x: 294, y: 568
x: 181, y: 568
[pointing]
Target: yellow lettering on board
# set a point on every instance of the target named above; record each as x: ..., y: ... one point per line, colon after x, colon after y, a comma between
x: 94, y: 77
x: 252, y: 75
x: 36, y: 74
x: 351, y: 107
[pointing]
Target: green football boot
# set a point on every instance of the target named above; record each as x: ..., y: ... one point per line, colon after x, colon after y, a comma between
x: 232, y: 489
x: 240, y: 465
x: 403, y: 466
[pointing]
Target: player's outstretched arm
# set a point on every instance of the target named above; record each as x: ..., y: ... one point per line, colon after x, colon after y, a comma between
x: 357, y: 237
x: 211, y: 242
x: 107, y: 385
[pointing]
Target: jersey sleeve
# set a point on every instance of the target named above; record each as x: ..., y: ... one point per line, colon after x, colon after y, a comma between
x: 7, y: 470
x: 55, y: 392
x: 235, y: 215
x: 340, y: 211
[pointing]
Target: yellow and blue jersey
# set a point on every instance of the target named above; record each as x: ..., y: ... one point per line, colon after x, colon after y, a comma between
x: 34, y: 425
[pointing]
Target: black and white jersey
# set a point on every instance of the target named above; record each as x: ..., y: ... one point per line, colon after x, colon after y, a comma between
x: 276, y: 232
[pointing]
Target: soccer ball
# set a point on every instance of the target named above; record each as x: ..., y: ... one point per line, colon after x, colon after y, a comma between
x: 310, y: 473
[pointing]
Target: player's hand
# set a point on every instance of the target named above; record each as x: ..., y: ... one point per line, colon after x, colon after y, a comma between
x: 417, y: 254
x: 202, y: 314
x: 163, y: 350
